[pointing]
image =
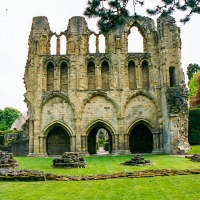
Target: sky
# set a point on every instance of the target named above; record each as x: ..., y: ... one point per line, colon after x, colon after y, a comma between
x: 15, y: 25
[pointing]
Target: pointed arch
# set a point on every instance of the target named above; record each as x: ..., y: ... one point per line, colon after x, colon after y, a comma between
x: 102, y: 44
x: 105, y: 74
x: 53, y: 45
x: 91, y: 75
x: 145, y: 74
x: 50, y: 76
x: 63, y: 45
x: 92, y: 43
x: 132, y: 75
x: 135, y: 40
x: 64, y: 73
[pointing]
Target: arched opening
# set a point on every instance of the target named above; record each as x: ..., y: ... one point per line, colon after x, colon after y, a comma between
x: 58, y: 141
x: 132, y: 75
x: 63, y: 45
x: 64, y: 76
x: 91, y: 76
x: 145, y: 75
x: 53, y: 45
x: 94, y: 144
x: 50, y: 76
x: 141, y: 139
x: 92, y: 44
x: 135, y: 41
x: 172, y: 76
x: 105, y: 75
x: 102, y: 45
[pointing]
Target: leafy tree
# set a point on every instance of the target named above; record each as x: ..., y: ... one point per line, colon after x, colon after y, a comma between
x: 196, y: 100
x: 112, y: 13
x: 193, y: 86
x: 191, y: 69
x: 7, y: 117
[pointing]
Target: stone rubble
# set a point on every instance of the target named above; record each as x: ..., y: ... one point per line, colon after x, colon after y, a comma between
x: 137, y: 160
x: 194, y: 158
x: 69, y: 160
x: 7, y: 160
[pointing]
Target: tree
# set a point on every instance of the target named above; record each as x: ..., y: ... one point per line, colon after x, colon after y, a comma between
x: 196, y: 100
x: 112, y: 13
x: 193, y: 86
x: 7, y: 117
x: 191, y: 69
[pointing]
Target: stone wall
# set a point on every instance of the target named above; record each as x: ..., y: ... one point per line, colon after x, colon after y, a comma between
x: 116, y: 90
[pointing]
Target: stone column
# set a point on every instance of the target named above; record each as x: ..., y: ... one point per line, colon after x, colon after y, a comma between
x: 138, y: 77
x: 84, y: 143
x: 58, y: 46
x: 97, y: 43
x: 31, y: 136
x: 73, y: 143
x: 98, y: 77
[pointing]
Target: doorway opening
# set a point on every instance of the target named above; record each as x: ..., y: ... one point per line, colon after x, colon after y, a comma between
x: 141, y: 139
x: 99, y: 141
x: 58, y: 141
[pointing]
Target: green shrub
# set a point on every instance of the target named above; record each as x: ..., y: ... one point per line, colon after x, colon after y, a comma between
x: 1, y: 140
x: 97, y: 146
x: 194, y: 126
x: 106, y: 146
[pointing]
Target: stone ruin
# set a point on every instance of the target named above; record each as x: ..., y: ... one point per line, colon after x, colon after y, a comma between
x: 7, y: 160
x: 69, y: 160
x: 194, y: 158
x: 137, y: 160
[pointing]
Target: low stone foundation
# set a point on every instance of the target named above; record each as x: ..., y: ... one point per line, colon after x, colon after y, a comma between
x: 69, y: 160
x: 7, y: 160
x: 194, y: 158
x: 137, y: 160
x: 28, y: 175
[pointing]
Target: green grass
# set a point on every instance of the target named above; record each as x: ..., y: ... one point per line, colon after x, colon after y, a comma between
x: 161, y: 188
x: 108, y: 164
x: 195, y: 149
x: 157, y: 188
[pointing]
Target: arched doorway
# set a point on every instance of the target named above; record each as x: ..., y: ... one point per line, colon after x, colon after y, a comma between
x: 141, y: 139
x: 58, y: 141
x: 92, y: 139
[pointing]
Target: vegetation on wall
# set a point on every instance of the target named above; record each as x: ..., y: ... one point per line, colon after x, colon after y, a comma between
x: 7, y: 117
x: 112, y: 13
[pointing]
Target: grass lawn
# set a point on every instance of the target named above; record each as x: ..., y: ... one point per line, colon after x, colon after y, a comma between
x: 166, y: 188
x: 194, y: 149
x: 108, y: 164
x: 157, y: 188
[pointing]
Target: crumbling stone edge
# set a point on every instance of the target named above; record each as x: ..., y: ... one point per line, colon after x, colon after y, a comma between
x: 30, y: 175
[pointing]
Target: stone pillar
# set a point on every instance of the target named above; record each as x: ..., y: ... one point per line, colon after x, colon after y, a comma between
x: 138, y: 77
x: 73, y: 143
x: 58, y: 46
x: 97, y: 43
x: 84, y: 143
x: 156, y: 142
x: 98, y: 77
x: 126, y: 142
x: 31, y: 136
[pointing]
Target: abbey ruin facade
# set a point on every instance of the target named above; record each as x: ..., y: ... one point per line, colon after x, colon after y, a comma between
x: 139, y: 99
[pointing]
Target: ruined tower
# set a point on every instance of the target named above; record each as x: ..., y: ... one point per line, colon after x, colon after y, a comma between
x: 139, y: 99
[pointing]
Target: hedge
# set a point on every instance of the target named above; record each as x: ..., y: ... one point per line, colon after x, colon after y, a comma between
x: 194, y: 126
x: 1, y: 140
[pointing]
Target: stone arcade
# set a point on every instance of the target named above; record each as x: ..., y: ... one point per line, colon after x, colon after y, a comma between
x: 139, y: 99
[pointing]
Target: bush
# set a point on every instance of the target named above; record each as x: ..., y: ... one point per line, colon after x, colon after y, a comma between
x: 106, y: 146
x: 1, y: 140
x: 194, y: 126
